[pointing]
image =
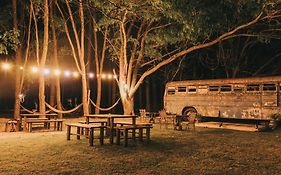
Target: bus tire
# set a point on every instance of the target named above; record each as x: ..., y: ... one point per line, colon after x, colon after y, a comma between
x: 189, y: 112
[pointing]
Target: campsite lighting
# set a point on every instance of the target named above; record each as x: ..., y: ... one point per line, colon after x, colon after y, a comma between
x: 21, y: 68
x: 57, y: 72
x: 103, y: 76
x: 66, y: 73
x: 34, y: 69
x: 75, y: 74
x: 47, y: 71
x: 109, y: 76
x: 91, y: 75
x: 6, y: 66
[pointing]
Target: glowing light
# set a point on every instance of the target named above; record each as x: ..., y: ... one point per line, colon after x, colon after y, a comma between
x: 66, y: 73
x: 75, y: 74
x: 21, y: 68
x: 103, y: 76
x: 115, y: 76
x: 109, y: 76
x: 57, y: 72
x: 21, y: 95
x: 34, y: 69
x: 91, y: 75
x: 47, y: 71
x: 6, y: 66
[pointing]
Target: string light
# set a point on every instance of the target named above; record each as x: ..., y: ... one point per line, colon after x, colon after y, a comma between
x: 34, y: 69
x: 67, y: 73
x: 75, y: 74
x: 6, y: 66
x: 57, y: 72
x: 91, y: 75
x: 47, y: 71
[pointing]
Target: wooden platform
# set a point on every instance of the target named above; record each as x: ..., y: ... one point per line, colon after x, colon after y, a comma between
x: 224, y: 125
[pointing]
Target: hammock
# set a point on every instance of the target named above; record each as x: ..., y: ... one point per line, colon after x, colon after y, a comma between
x: 31, y: 112
x: 105, y: 109
x: 64, y: 111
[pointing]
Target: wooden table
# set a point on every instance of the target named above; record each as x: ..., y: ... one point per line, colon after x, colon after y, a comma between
x: 38, y: 116
x: 110, y: 121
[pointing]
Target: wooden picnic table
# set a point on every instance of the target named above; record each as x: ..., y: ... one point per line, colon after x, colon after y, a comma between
x: 37, y: 118
x: 111, y: 121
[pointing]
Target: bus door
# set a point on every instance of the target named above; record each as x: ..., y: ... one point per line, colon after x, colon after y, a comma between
x: 269, y: 95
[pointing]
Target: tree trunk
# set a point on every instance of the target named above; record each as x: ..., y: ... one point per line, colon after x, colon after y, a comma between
x: 128, y: 105
x: 18, y: 62
x: 97, y: 111
x: 42, y: 108
x: 85, y: 94
x: 52, y: 92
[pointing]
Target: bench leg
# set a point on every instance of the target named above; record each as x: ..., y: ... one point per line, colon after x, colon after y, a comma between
x: 101, y: 135
x: 91, y: 137
x: 134, y: 135
x: 140, y: 134
x: 118, y: 135
x: 78, y: 133
x: 68, y: 131
x: 147, y: 134
x: 126, y: 137
x: 29, y: 127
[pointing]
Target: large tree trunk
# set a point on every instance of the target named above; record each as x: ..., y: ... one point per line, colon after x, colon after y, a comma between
x: 57, y: 89
x: 43, y: 58
x: 18, y: 62
x: 99, y: 91
x: 128, y: 105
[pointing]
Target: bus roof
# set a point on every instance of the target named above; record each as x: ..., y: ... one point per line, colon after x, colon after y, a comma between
x: 227, y: 81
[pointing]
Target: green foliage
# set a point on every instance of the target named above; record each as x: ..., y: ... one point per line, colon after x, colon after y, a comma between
x: 9, y: 41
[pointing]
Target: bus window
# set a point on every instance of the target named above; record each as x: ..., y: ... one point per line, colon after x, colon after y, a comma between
x: 181, y: 89
x: 171, y: 91
x: 192, y: 89
x: 213, y: 88
x: 253, y: 87
x: 269, y: 87
x: 238, y: 88
x: 202, y: 89
x: 226, y: 88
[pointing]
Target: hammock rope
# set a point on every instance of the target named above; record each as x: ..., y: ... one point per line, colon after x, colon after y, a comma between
x: 31, y: 112
x: 104, y: 109
x: 64, y: 111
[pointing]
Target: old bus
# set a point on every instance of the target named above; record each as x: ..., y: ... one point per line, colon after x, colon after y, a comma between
x: 256, y: 99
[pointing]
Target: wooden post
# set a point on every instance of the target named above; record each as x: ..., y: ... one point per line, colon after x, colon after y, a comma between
x: 147, y: 134
x: 126, y: 137
x: 78, y: 133
x: 101, y: 135
x: 68, y: 132
x: 118, y: 135
x: 91, y: 137
x: 140, y: 134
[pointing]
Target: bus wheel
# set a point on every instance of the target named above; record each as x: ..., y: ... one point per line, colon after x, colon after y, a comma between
x: 190, y: 112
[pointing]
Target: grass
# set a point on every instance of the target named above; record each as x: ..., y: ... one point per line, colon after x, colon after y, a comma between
x: 205, y: 151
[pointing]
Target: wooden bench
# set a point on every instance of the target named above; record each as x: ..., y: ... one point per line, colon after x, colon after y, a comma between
x: 79, y: 132
x: 123, y: 128
x: 30, y: 121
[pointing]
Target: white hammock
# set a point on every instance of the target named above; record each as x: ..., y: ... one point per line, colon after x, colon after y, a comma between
x: 63, y: 112
x: 105, y: 109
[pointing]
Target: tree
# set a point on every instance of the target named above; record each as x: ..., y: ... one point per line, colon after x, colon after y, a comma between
x: 147, y: 35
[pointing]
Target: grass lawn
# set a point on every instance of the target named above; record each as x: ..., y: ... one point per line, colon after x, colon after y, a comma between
x: 204, y: 151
